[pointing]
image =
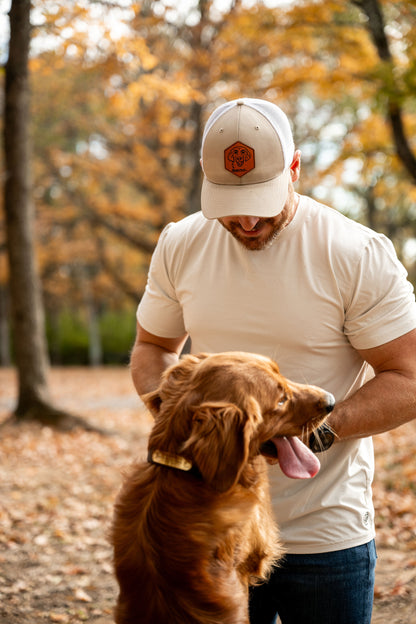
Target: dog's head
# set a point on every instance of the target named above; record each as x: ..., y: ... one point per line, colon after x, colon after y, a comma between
x: 219, y: 411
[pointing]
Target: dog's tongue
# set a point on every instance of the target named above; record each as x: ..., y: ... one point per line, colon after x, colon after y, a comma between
x: 295, y: 459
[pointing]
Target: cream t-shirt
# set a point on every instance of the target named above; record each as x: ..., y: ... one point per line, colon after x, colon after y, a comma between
x: 325, y: 287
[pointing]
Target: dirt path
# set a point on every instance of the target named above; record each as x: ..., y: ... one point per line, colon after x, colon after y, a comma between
x: 57, y: 492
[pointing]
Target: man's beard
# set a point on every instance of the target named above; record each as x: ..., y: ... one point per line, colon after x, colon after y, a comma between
x: 254, y: 244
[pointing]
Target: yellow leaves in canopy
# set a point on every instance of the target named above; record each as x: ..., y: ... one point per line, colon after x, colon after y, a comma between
x: 136, y: 49
x: 318, y: 11
x: 368, y: 136
x: 149, y: 88
x: 317, y: 45
x: 147, y: 94
x: 60, y: 251
x: 412, y: 194
x: 357, y: 55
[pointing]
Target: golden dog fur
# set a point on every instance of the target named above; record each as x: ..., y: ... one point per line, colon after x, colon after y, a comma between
x: 187, y: 543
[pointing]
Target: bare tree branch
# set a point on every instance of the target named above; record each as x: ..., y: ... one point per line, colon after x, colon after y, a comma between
x: 376, y: 28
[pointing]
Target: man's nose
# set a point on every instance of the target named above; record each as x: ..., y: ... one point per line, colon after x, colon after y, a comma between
x: 248, y: 223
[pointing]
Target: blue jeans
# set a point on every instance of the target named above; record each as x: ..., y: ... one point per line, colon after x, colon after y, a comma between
x: 328, y: 588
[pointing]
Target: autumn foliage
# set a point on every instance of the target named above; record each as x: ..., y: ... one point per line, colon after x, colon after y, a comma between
x: 120, y: 94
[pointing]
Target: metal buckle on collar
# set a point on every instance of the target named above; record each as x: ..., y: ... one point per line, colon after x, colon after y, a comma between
x: 169, y: 459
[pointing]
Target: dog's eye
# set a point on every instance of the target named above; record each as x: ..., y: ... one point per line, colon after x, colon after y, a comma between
x: 282, y: 401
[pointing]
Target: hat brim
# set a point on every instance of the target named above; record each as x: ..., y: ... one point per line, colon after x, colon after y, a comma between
x: 264, y: 199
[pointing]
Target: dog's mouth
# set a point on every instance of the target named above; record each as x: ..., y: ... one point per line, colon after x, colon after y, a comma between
x: 295, y: 459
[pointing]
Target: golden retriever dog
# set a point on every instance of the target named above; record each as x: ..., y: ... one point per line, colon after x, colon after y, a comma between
x: 192, y: 526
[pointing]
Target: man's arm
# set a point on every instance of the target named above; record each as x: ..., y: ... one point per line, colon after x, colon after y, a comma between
x: 150, y: 356
x: 386, y: 401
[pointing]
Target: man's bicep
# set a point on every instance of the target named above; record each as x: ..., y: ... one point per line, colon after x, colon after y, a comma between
x: 150, y: 357
x: 174, y: 345
x: 398, y: 355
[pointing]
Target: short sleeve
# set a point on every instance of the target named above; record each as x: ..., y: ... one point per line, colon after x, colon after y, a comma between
x: 159, y: 311
x: 382, y: 303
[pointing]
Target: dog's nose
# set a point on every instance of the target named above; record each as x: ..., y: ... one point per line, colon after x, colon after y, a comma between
x: 329, y: 402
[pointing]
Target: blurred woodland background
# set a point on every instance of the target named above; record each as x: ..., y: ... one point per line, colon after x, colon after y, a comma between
x: 119, y: 94
x: 103, y: 104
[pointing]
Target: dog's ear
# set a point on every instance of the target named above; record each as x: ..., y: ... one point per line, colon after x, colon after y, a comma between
x: 220, y: 442
x: 172, y: 383
x: 153, y: 401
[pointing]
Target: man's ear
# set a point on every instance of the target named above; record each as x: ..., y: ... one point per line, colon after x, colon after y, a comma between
x: 295, y: 166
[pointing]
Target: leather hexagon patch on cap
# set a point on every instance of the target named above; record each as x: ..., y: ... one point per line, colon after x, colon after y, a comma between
x: 239, y: 159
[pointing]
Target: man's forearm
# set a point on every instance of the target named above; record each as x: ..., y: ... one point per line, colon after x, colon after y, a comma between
x: 383, y: 403
x: 386, y: 401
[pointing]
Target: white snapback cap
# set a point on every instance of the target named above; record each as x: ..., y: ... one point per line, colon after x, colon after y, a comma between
x: 247, y: 150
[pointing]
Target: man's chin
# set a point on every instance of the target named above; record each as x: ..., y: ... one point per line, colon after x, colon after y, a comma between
x: 257, y: 243
x: 257, y: 239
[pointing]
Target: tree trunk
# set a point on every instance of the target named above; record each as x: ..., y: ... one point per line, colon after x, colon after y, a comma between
x: 376, y: 28
x: 193, y: 203
x: 95, y: 351
x: 27, y: 316
x: 5, y: 358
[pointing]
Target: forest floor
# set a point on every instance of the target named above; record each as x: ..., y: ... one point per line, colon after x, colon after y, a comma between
x: 57, y: 491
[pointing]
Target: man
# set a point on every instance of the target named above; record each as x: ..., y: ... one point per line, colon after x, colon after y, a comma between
x: 263, y: 269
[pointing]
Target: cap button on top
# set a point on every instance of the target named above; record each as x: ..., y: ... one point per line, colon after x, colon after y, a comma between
x: 240, y: 102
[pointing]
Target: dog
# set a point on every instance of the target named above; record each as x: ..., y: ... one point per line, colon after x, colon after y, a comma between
x: 192, y: 526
